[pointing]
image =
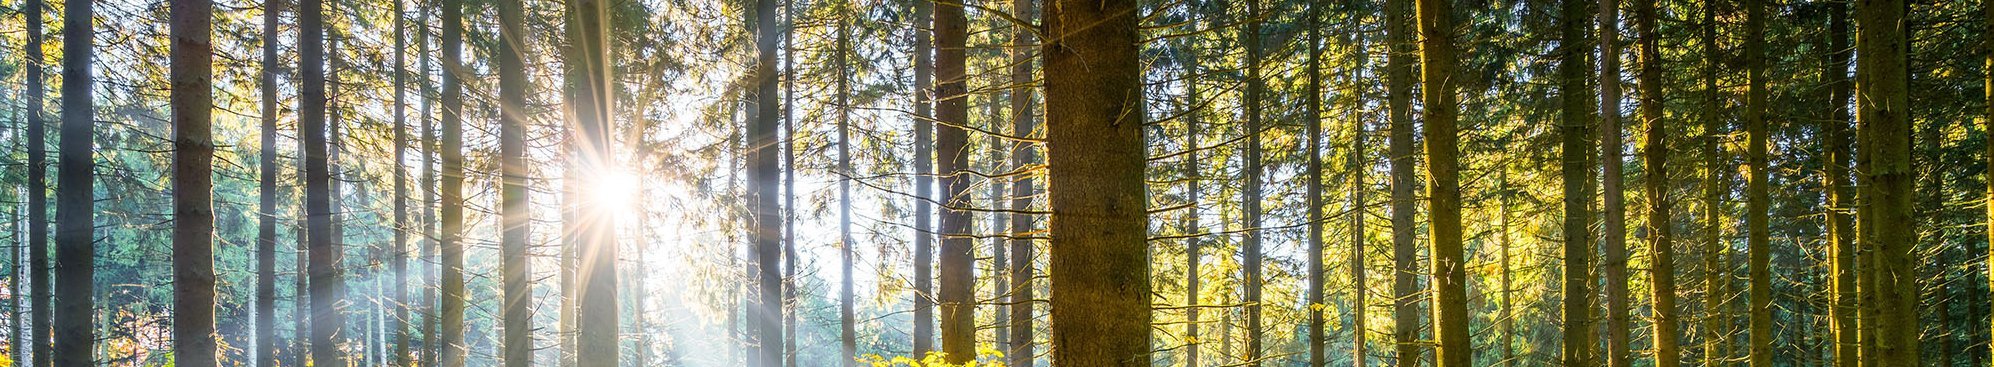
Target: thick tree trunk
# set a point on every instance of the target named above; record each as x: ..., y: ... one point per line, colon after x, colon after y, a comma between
x: 41, y: 283
x: 1450, y: 275
x: 515, y: 223
x: 1577, y: 180
x: 924, y: 182
x: 1250, y: 252
x: 591, y: 97
x: 763, y: 185
x: 322, y: 243
x: 1400, y: 65
x: 452, y: 189
x: 1757, y: 205
x: 1889, y: 231
x: 266, y: 224
x: 1655, y: 154
x: 75, y: 216
x: 194, y: 337
x: 1100, y: 267
x: 1024, y: 124
x: 1837, y: 155
x: 1614, y: 197
x: 957, y: 294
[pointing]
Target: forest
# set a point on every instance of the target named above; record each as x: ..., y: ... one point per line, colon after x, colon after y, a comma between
x: 926, y: 183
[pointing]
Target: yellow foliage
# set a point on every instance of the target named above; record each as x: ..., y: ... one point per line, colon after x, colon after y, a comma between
x: 985, y: 357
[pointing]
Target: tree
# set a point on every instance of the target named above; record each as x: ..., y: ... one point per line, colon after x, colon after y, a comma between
x: 399, y: 263
x: 515, y: 225
x: 1313, y: 123
x: 1094, y: 143
x: 451, y: 339
x: 1020, y: 352
x: 1887, y: 180
x: 1614, y: 213
x: 1715, y: 185
x: 1577, y: 183
x: 1250, y: 253
x: 1655, y: 157
x: 193, y: 184
x: 1837, y: 156
x: 591, y: 100
x: 1400, y: 65
x: 322, y: 248
x: 847, y: 328
x: 1757, y: 205
x: 266, y: 227
x: 924, y: 180
x: 957, y: 294
x: 37, y: 136
x: 1359, y: 152
x: 1450, y: 277
x: 1193, y: 193
x: 75, y: 214
x: 762, y: 185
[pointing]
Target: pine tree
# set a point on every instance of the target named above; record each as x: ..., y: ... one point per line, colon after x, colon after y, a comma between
x: 266, y: 227
x: 1023, y: 124
x: 37, y: 136
x: 1614, y: 197
x: 193, y: 185
x: 1450, y: 276
x: 957, y: 293
x: 1887, y: 180
x: 451, y: 337
x: 1400, y: 66
x: 1655, y: 157
x: 924, y: 180
x: 1757, y: 204
x: 1578, y: 186
x: 515, y: 223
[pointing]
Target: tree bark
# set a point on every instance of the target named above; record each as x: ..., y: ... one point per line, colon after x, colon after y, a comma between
x: 322, y: 243
x: 1661, y: 226
x: 266, y: 225
x: 1313, y: 122
x: 763, y: 186
x: 1837, y: 156
x: 1450, y: 276
x: 515, y: 223
x: 1715, y: 185
x: 1577, y: 180
x: 452, y: 188
x: 1400, y: 65
x: 1614, y: 197
x: 957, y: 293
x: 1100, y: 267
x: 192, y: 74
x: 924, y: 182
x: 1024, y: 154
x: 1887, y: 179
x: 1757, y: 204
x: 1250, y: 252
x: 1194, y: 192
x: 38, y: 241
x: 399, y: 261
x: 847, y: 328
x: 1359, y: 206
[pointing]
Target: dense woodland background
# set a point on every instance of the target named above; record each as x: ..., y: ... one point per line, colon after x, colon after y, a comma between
x: 1075, y: 183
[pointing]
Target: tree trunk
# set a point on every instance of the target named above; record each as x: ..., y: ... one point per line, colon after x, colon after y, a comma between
x: 1250, y: 252
x: 1194, y: 191
x: 452, y: 188
x: 789, y: 257
x: 1715, y: 185
x: 1313, y: 122
x: 1359, y: 207
x: 763, y: 185
x: 1577, y: 180
x: 1837, y: 156
x: 591, y: 97
x: 1450, y: 276
x: 193, y: 184
x: 1661, y: 226
x: 924, y: 182
x: 321, y: 245
x: 1400, y: 65
x: 847, y: 319
x: 75, y: 217
x: 266, y: 225
x: 1614, y: 215
x: 38, y: 245
x: 431, y: 239
x: 515, y: 223
x: 1756, y: 204
x: 1023, y: 124
x: 399, y: 263
x: 957, y: 294
x: 1100, y: 274
x: 1889, y: 231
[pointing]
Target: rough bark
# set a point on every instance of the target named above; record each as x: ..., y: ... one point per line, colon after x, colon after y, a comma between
x: 924, y: 181
x: 1359, y: 206
x: 398, y: 264
x: 1194, y: 191
x: 957, y: 293
x: 1023, y: 123
x: 1250, y: 251
x: 194, y: 338
x: 1655, y: 154
x: 1400, y: 65
x: 1577, y: 181
x: 1313, y: 123
x: 1757, y: 205
x: 321, y: 253
x: 451, y: 336
x: 1837, y: 155
x: 763, y: 186
x: 1715, y: 185
x: 41, y: 283
x: 1449, y: 272
x: 1888, y: 178
x: 1614, y: 198
x: 1100, y: 264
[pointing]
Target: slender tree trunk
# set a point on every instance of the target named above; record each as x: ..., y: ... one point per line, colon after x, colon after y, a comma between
x: 300, y: 300
x: 847, y: 328
x: 1661, y: 228
x: 75, y: 217
x: 592, y: 97
x: 431, y: 244
x: 38, y: 241
x: 322, y: 244
x: 1100, y: 274
x: 1715, y: 185
x: 266, y: 225
x: 1250, y: 253
x: 1887, y: 178
x: 1450, y: 276
x: 452, y: 336
x: 1024, y: 124
x: 763, y: 185
x: 515, y: 223
x: 957, y: 294
x: 1988, y: 10
x: 1400, y: 65
x: 194, y: 337
x: 1577, y: 180
x: 1359, y: 207
x: 399, y: 260
x: 1837, y: 156
x: 1757, y: 205
x: 1194, y: 192
x: 1313, y: 122
x: 1611, y: 153
x: 788, y: 186
x: 1508, y: 317
x: 924, y: 182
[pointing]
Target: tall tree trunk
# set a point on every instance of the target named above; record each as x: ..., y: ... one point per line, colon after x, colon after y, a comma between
x: 1614, y: 215
x: 38, y: 245
x: 1313, y: 122
x: 847, y: 328
x: 788, y: 186
x: 75, y: 217
x: 300, y: 299
x: 763, y: 184
x: 193, y: 185
x: 399, y: 262
x: 1025, y: 154
x: 1508, y: 317
x: 1450, y: 276
x: 266, y: 224
x: 1194, y: 192
x: 924, y: 182
x: 1757, y: 205
x: 515, y: 223
x: 452, y: 313
x: 1837, y: 156
x: 1400, y: 65
x: 431, y: 238
x: 1250, y: 252
x: 1359, y: 207
x: 1715, y: 185
x: 322, y: 243
x: 1577, y: 180
x: 957, y: 294
x: 592, y: 98
x: 1988, y: 9
x: 1655, y: 154
x: 1100, y: 274
x: 1889, y: 231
